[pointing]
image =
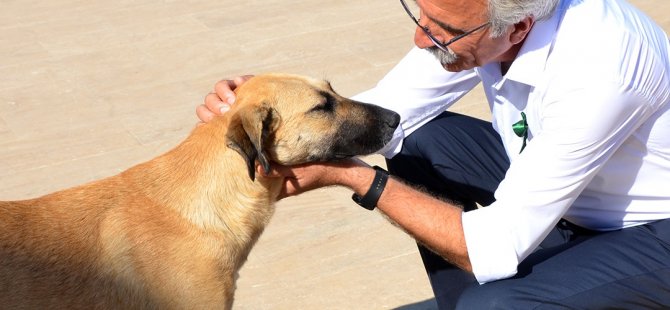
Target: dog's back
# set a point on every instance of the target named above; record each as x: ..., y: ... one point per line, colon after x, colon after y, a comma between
x: 65, y: 233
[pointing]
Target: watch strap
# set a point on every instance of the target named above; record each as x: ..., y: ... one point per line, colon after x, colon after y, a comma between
x: 370, y: 199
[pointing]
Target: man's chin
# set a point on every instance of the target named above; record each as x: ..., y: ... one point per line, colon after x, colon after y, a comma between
x: 459, y: 66
x: 453, y: 67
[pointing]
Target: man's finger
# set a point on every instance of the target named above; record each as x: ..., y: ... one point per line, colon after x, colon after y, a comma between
x: 214, y: 104
x: 204, y: 113
x: 239, y: 80
x: 224, y: 91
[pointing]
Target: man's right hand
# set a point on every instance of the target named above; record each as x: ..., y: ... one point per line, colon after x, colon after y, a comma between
x: 219, y: 101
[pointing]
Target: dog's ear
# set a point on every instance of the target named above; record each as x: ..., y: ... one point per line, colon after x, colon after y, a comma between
x: 249, y: 130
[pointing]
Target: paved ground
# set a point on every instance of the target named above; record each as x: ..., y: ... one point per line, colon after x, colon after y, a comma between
x: 90, y: 88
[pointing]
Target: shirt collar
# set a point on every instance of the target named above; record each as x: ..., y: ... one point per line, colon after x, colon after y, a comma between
x: 531, y: 60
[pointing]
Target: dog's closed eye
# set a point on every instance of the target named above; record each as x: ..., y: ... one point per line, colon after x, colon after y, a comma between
x: 327, y: 103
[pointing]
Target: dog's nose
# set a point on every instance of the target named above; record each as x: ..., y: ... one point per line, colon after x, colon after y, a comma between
x: 393, y: 120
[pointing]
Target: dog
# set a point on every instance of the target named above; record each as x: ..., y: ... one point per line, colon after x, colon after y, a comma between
x: 173, y: 232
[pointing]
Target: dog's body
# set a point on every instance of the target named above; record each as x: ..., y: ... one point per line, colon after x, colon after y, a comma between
x: 173, y: 232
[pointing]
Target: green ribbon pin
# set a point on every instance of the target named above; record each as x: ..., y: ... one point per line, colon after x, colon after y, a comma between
x: 521, y: 130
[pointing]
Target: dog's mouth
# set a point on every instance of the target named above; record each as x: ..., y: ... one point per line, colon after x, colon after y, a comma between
x: 338, y: 156
x: 330, y: 157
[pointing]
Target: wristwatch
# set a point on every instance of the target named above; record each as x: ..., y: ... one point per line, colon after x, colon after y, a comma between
x: 370, y: 199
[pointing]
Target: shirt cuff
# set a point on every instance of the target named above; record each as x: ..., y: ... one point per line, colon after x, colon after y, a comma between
x: 490, y: 248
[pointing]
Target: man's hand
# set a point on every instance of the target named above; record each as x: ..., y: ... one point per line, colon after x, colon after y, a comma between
x: 302, y: 178
x: 219, y: 101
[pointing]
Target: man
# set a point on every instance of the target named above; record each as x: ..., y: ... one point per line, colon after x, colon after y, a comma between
x: 574, y: 168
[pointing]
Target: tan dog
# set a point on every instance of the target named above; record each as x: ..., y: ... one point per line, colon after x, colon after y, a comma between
x: 172, y: 233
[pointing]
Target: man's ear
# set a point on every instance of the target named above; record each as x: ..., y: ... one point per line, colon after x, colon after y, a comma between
x: 521, y: 29
x: 248, y: 132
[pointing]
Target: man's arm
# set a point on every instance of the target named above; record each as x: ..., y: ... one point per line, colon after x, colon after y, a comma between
x: 432, y: 222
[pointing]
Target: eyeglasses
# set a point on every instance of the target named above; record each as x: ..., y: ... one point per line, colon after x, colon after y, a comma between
x: 438, y: 43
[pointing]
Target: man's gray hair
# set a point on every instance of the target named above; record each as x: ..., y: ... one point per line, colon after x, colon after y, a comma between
x: 504, y: 13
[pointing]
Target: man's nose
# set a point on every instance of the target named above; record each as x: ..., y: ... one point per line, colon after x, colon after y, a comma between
x: 421, y: 39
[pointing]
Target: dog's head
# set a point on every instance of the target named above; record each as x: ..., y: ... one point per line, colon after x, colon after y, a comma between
x: 292, y: 119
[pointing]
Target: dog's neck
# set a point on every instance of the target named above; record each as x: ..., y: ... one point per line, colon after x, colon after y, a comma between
x: 208, y: 184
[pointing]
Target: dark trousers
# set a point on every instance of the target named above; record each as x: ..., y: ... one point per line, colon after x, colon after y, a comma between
x: 462, y: 159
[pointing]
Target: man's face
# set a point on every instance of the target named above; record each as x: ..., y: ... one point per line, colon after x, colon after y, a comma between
x: 449, y: 18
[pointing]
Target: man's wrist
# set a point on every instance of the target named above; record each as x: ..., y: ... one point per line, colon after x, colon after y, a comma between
x: 371, y: 197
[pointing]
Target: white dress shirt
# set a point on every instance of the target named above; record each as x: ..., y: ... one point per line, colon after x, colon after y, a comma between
x: 594, y: 83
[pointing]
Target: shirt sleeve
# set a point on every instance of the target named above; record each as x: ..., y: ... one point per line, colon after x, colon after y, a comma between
x: 418, y: 89
x: 581, y: 128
